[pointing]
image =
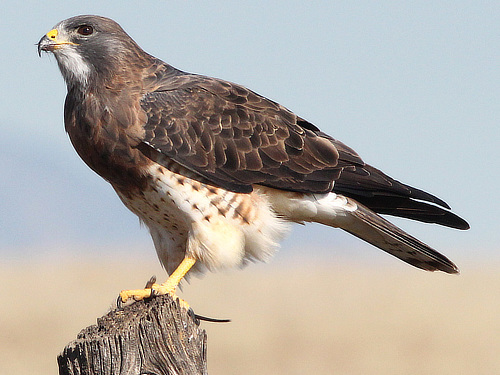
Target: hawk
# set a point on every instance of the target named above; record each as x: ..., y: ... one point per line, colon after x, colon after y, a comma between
x: 214, y: 170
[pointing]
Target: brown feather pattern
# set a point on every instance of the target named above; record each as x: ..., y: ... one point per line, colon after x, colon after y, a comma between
x: 236, y: 138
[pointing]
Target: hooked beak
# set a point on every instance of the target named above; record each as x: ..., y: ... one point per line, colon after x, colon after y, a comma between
x: 50, y: 42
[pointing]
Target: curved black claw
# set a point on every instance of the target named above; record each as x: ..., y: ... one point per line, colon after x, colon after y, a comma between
x: 154, y: 293
x: 150, y: 283
x: 119, y: 303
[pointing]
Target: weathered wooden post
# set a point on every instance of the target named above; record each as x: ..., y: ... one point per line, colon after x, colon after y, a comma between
x: 148, y: 337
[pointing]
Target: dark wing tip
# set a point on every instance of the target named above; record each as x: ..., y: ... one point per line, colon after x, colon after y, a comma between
x: 425, y: 196
x: 461, y: 223
x: 385, y: 195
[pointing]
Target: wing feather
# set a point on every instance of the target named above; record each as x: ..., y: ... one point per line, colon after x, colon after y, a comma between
x: 230, y: 134
x: 234, y: 138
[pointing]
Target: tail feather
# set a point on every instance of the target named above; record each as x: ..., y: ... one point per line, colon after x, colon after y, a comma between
x: 372, y: 228
x: 415, y: 210
x: 339, y: 211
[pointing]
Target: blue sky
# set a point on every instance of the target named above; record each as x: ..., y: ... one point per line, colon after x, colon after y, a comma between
x: 413, y: 87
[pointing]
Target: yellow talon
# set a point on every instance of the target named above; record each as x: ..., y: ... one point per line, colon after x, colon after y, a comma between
x: 168, y: 287
x: 136, y: 294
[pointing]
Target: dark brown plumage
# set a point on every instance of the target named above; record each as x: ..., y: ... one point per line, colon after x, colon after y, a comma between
x: 166, y: 139
x: 236, y: 138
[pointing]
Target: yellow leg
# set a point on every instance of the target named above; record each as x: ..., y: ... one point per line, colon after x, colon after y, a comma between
x: 168, y: 287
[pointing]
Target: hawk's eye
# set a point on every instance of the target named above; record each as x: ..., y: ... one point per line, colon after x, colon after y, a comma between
x: 85, y: 30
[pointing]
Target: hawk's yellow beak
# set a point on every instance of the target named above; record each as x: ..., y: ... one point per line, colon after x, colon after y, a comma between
x: 50, y: 42
x: 52, y: 35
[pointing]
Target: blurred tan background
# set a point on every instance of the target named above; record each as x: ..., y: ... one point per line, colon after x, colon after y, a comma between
x: 288, y: 317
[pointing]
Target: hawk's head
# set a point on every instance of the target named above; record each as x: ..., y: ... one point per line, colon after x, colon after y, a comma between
x: 88, y: 47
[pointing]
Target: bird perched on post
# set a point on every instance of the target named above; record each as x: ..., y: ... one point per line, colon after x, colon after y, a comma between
x: 215, y: 170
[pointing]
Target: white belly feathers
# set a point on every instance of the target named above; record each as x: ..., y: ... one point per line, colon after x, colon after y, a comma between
x: 217, y: 227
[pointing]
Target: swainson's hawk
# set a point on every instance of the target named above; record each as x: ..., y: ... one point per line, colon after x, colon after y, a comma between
x: 217, y: 171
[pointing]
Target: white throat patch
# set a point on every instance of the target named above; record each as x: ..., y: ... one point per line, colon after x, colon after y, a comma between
x: 72, y: 65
